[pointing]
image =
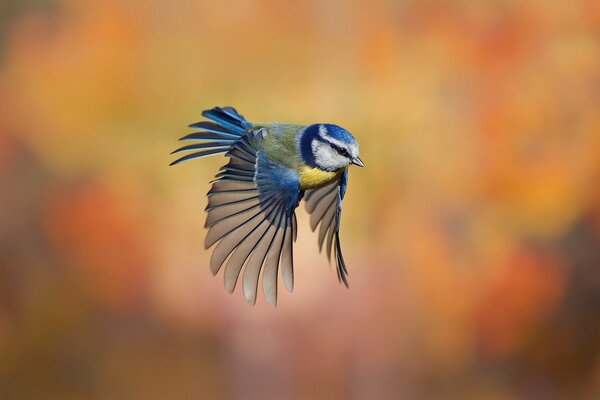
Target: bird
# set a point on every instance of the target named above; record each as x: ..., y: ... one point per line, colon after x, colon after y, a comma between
x: 251, y: 207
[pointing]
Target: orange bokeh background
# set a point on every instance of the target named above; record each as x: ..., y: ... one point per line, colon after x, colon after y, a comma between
x: 472, y: 236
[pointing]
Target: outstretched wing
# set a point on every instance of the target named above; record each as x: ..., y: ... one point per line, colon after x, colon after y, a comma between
x: 215, y: 137
x: 325, y: 207
x: 251, y: 216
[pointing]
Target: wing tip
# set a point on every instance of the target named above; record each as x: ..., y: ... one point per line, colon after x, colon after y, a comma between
x: 179, y: 160
x: 271, y: 301
x: 344, y: 280
x: 229, y: 286
x: 251, y: 299
x: 288, y: 282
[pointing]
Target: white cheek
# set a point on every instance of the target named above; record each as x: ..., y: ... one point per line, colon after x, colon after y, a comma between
x: 329, y: 159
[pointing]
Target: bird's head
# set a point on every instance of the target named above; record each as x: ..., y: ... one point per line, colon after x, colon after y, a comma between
x: 328, y: 147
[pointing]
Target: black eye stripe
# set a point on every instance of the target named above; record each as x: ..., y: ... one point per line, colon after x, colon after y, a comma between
x: 340, y: 150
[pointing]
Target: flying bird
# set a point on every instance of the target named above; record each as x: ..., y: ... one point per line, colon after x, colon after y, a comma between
x: 251, y: 204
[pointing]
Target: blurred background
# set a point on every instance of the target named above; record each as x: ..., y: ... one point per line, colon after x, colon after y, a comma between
x: 472, y: 237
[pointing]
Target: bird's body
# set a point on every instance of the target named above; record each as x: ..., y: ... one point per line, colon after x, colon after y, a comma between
x: 281, y: 145
x: 272, y: 166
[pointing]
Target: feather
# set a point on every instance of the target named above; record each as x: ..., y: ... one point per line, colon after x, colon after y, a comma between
x: 242, y: 252
x: 217, y: 214
x: 230, y: 186
x: 225, y: 137
x: 257, y: 258
x: 314, y: 196
x: 319, y: 212
x: 235, y: 164
x: 225, y: 226
x: 221, y: 199
x: 240, y: 163
x: 287, y: 258
x: 232, y: 112
x: 241, y: 156
x: 295, y: 226
x: 330, y: 233
x: 272, y: 265
x: 227, y: 119
x: 230, y: 241
x: 198, y: 146
x: 232, y: 178
x: 325, y: 204
x: 237, y: 171
x: 215, y: 128
x: 245, y: 148
x: 326, y: 223
x: 341, y: 264
x: 199, y: 155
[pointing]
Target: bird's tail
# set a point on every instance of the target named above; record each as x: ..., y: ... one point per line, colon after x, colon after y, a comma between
x: 215, y: 137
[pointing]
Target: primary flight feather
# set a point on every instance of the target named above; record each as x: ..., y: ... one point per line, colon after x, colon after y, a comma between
x: 251, y: 205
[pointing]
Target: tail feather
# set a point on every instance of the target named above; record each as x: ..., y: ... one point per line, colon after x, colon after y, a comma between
x: 219, y: 137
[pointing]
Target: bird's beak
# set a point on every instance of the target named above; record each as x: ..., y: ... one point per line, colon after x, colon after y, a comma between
x: 358, y: 161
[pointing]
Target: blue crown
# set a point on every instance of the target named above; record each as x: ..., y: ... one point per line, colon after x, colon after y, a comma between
x: 339, y: 133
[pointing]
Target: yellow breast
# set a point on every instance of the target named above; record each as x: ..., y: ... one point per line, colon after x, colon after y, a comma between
x: 311, y: 178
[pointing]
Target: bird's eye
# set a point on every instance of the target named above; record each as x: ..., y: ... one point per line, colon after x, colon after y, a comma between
x: 342, y: 152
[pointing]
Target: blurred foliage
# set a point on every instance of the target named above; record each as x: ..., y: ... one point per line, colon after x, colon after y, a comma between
x: 10, y: 10
x: 472, y: 236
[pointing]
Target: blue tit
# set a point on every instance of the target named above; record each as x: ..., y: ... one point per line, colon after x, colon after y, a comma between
x: 251, y: 204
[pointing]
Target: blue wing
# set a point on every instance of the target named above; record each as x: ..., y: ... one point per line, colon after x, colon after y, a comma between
x: 251, y: 216
x: 325, y: 207
x: 216, y: 137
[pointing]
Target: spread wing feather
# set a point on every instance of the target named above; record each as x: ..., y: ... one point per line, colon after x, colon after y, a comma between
x: 250, y: 218
x: 250, y: 212
x: 325, y: 207
x: 216, y: 138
